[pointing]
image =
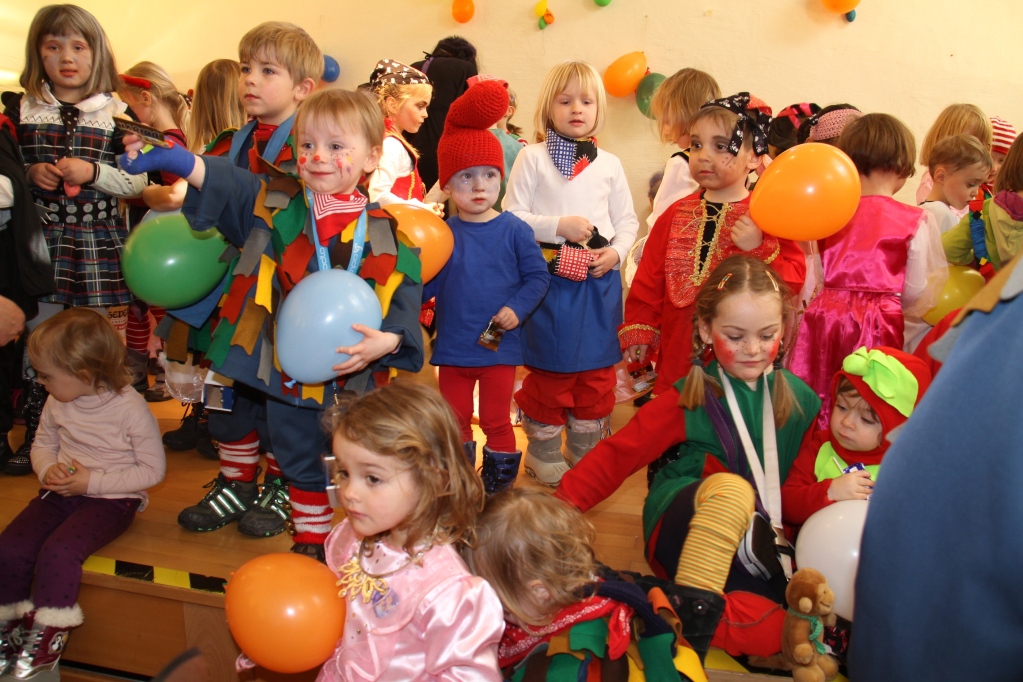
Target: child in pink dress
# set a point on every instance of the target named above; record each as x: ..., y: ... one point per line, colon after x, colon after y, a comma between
x: 411, y: 499
x: 882, y: 272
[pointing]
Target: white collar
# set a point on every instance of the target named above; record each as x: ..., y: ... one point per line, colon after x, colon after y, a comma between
x: 89, y: 104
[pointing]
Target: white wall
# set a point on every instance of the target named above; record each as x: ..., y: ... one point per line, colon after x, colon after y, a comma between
x: 909, y: 58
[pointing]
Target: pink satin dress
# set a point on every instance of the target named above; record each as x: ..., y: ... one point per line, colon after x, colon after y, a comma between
x: 860, y: 304
x: 435, y: 621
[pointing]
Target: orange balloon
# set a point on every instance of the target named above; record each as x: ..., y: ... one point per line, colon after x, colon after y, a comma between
x: 284, y: 611
x: 841, y: 6
x: 962, y: 284
x: 809, y: 192
x: 623, y: 76
x: 427, y: 231
x: 462, y: 10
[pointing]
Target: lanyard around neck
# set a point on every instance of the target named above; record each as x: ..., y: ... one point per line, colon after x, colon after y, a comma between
x: 768, y: 481
x: 358, y: 239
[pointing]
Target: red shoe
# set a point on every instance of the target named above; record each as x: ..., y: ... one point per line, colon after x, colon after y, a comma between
x: 42, y: 636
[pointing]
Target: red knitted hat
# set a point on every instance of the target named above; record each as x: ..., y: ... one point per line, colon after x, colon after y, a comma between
x: 466, y: 142
x: 889, y: 416
x: 1003, y: 135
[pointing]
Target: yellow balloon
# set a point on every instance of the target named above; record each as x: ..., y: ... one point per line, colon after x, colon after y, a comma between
x: 540, y: 9
x: 963, y: 283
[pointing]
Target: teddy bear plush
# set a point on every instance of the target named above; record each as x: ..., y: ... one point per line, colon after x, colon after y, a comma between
x: 810, y: 601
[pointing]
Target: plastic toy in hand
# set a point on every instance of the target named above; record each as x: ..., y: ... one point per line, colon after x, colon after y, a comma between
x: 174, y: 159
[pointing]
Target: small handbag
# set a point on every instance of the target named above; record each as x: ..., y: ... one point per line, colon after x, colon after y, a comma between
x: 572, y: 261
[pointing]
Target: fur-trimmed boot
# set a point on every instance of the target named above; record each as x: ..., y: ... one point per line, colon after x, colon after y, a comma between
x: 43, y: 636
x: 20, y: 463
x: 470, y: 452
x: 11, y: 618
x: 582, y: 435
x: 500, y: 469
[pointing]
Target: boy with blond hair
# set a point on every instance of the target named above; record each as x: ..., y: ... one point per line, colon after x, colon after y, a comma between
x: 339, y: 136
x: 280, y: 66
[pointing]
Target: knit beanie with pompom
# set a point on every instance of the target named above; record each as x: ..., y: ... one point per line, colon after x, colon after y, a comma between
x: 466, y: 141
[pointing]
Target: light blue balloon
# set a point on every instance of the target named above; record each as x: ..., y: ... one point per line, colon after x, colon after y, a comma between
x: 316, y: 319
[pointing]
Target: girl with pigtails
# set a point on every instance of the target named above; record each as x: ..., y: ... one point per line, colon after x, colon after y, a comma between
x: 737, y: 420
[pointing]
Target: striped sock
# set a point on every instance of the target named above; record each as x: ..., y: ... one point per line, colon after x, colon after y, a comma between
x: 273, y: 470
x: 311, y: 514
x: 239, y: 459
x: 137, y: 331
x: 723, y: 508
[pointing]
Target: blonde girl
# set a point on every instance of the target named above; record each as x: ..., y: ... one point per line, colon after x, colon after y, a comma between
x: 403, y: 93
x: 1000, y: 221
x: 149, y: 92
x: 576, y: 199
x: 154, y: 99
x: 702, y: 499
x: 216, y: 106
x: 954, y: 119
x: 411, y: 499
x: 65, y: 124
x: 677, y: 100
x: 96, y: 452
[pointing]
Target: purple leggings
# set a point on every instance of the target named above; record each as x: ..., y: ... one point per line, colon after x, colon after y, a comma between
x: 52, y: 537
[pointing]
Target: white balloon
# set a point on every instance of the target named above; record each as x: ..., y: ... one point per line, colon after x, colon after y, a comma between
x: 830, y: 542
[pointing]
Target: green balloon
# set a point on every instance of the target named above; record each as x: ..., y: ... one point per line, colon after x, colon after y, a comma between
x: 168, y: 264
x: 602, y: 3
x: 645, y: 92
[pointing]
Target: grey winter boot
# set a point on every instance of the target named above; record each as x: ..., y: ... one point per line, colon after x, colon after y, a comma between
x: 582, y: 435
x: 544, y: 460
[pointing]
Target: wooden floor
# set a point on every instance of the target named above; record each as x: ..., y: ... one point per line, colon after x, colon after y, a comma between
x: 156, y: 539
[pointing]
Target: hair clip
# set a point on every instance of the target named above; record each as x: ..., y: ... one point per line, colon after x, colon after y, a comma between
x: 770, y: 276
x: 136, y: 82
x: 724, y: 280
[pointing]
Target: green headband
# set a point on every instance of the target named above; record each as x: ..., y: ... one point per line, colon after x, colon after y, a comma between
x: 887, y: 378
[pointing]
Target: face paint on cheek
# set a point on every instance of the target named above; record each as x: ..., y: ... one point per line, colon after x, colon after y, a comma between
x: 302, y: 159
x: 774, y: 347
x: 724, y: 351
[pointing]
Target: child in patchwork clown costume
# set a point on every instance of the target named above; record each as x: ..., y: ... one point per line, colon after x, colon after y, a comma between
x: 287, y: 227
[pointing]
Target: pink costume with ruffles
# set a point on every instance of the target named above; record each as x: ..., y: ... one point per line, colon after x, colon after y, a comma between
x: 435, y: 621
x: 860, y: 305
